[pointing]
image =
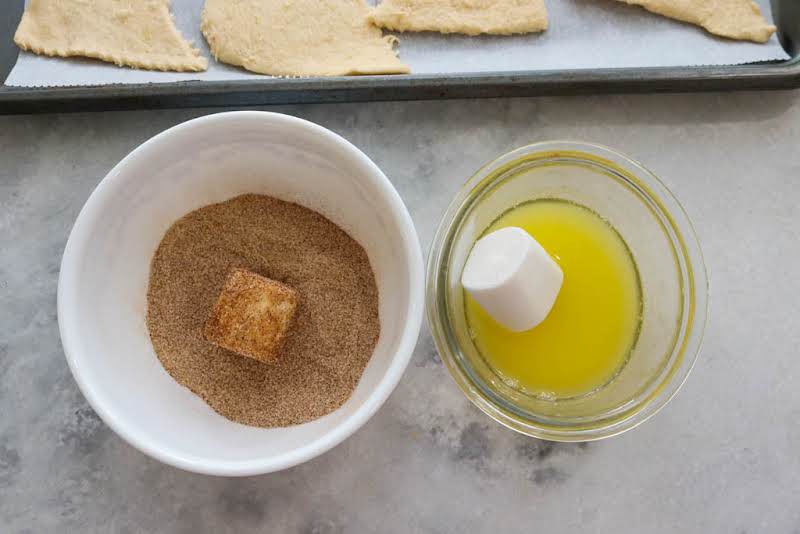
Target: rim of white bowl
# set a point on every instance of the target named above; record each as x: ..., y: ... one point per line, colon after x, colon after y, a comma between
x: 74, y: 251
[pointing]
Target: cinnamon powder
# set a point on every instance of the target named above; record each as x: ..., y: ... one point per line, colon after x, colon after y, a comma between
x: 336, y: 325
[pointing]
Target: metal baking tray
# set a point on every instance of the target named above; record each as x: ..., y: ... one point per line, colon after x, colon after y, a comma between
x: 777, y: 75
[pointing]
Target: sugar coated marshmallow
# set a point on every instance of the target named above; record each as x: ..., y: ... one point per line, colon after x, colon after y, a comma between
x: 513, y: 278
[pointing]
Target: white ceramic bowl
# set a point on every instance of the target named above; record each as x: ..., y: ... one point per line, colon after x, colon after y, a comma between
x: 106, y: 264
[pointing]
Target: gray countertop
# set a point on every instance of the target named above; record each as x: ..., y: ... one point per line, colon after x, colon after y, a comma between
x: 724, y: 456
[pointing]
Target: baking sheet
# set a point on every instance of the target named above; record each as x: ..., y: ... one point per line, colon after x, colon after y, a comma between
x: 583, y: 34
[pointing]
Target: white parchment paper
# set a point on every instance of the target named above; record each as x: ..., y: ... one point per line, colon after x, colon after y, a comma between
x: 583, y: 34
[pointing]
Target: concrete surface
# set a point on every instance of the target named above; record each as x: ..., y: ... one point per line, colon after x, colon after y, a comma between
x: 724, y: 456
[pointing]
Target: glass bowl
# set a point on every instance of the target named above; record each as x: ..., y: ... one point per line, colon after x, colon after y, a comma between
x: 667, y: 255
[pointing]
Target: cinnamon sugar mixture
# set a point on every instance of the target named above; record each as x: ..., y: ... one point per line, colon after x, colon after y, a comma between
x: 336, y: 326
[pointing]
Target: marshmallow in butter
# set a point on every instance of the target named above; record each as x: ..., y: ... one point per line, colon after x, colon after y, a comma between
x: 513, y: 278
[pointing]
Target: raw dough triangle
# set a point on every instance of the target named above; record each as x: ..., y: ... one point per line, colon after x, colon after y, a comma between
x: 735, y: 19
x: 470, y: 17
x: 299, y: 37
x: 137, y: 34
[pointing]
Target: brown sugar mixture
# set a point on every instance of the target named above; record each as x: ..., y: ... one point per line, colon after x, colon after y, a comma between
x: 336, y: 325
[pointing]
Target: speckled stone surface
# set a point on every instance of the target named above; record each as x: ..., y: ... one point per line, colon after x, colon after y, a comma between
x: 724, y: 456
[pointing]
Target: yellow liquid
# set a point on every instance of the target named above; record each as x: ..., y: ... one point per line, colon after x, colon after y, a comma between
x: 585, y: 340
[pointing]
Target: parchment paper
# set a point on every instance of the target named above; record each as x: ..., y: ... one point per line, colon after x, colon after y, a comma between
x: 583, y: 34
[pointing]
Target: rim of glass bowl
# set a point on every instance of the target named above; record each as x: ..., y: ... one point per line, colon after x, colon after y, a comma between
x: 694, y: 286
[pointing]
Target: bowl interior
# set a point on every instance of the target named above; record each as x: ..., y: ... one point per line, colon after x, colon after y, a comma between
x: 636, y: 210
x: 106, y: 268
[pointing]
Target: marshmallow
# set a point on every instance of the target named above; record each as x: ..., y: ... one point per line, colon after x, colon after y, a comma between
x: 513, y: 278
